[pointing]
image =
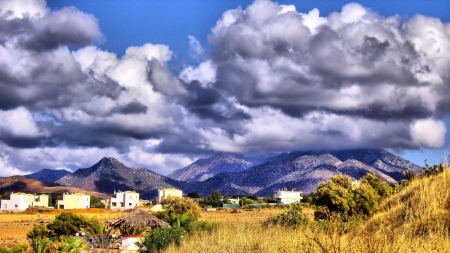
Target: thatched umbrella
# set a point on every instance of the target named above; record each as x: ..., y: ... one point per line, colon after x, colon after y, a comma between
x: 138, y: 219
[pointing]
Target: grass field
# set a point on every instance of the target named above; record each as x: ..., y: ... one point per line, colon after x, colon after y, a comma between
x: 416, y: 218
x: 14, y: 226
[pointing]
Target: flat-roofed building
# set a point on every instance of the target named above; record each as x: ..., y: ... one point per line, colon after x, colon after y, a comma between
x: 288, y: 197
x: 21, y: 201
x: 124, y: 200
x: 166, y: 192
x: 73, y: 201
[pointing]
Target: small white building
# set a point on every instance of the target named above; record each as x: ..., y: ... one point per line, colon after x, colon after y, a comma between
x: 288, y: 197
x: 123, y: 200
x: 21, y: 201
x: 73, y: 201
x: 166, y: 192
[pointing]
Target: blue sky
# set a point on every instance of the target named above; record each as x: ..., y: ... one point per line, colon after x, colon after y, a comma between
x: 159, y: 84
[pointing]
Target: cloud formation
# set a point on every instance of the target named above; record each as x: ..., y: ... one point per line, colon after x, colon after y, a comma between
x: 276, y: 80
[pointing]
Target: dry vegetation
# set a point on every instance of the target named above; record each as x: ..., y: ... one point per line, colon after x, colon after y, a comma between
x: 14, y: 226
x: 415, y: 219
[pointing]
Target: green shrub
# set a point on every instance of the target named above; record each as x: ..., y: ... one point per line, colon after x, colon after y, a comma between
x: 38, y: 231
x: 345, y: 202
x: 68, y: 224
x: 293, y: 217
x: 18, y: 248
x: 70, y: 245
x: 179, y: 211
x: 40, y: 244
x: 161, y: 238
x: 196, y: 227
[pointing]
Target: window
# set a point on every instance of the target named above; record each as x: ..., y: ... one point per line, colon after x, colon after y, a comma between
x: 130, y: 197
x: 130, y: 204
x: 16, y: 205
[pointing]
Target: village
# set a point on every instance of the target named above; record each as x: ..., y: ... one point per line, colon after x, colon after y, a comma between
x: 122, y: 201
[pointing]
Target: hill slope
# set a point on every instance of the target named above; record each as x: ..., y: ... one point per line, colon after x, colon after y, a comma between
x: 206, y: 168
x: 304, y: 171
x: 109, y: 174
x: 47, y: 175
x: 27, y: 185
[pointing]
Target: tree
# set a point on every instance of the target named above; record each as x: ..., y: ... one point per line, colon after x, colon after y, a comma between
x: 68, y: 224
x: 336, y: 195
x: 160, y: 238
x: 50, y: 201
x: 343, y: 201
x: 193, y: 195
x: 96, y: 202
x: 214, y: 199
x: 5, y: 195
x: 179, y: 211
x: 294, y: 217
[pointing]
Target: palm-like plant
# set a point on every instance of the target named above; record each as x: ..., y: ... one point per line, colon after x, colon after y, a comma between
x: 70, y: 245
x: 102, y: 236
x: 40, y: 244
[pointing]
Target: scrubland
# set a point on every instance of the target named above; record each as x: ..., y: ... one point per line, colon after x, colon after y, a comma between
x: 415, y: 218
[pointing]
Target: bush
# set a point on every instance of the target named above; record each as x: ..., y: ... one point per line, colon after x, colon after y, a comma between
x: 197, y: 227
x: 38, y: 231
x: 345, y: 202
x: 179, y: 211
x: 40, y: 244
x: 68, y: 224
x: 18, y: 248
x: 294, y: 217
x: 70, y: 245
x: 161, y: 238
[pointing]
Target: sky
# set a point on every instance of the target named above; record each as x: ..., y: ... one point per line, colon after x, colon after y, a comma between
x: 159, y: 84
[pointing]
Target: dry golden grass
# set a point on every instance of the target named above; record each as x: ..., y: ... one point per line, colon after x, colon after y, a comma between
x: 15, y: 226
x: 415, y: 219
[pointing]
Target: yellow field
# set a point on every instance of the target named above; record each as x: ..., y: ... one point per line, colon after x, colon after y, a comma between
x: 14, y: 226
x: 416, y: 218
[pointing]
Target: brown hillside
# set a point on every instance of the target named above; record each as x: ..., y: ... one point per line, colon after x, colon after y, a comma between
x: 23, y: 184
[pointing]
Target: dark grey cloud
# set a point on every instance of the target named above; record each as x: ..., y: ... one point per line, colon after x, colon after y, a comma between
x: 260, y: 65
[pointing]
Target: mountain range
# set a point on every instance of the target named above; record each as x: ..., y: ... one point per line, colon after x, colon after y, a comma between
x: 236, y: 174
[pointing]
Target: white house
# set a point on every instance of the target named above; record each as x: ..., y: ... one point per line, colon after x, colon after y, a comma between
x: 288, y: 197
x: 124, y: 200
x: 21, y: 201
x: 166, y: 192
x: 73, y: 201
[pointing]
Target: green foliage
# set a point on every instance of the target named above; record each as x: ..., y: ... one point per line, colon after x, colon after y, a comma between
x: 161, y: 238
x: 5, y: 195
x: 101, y: 233
x: 196, y: 227
x: 133, y: 230
x: 70, y: 245
x: 214, y: 199
x: 433, y: 170
x: 408, y: 175
x: 50, y: 200
x: 18, y: 248
x: 38, y: 231
x: 96, y: 203
x: 174, y: 207
x: 337, y: 195
x: 40, y: 244
x: 68, y: 224
x: 193, y: 195
x: 344, y: 202
x: 293, y: 217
